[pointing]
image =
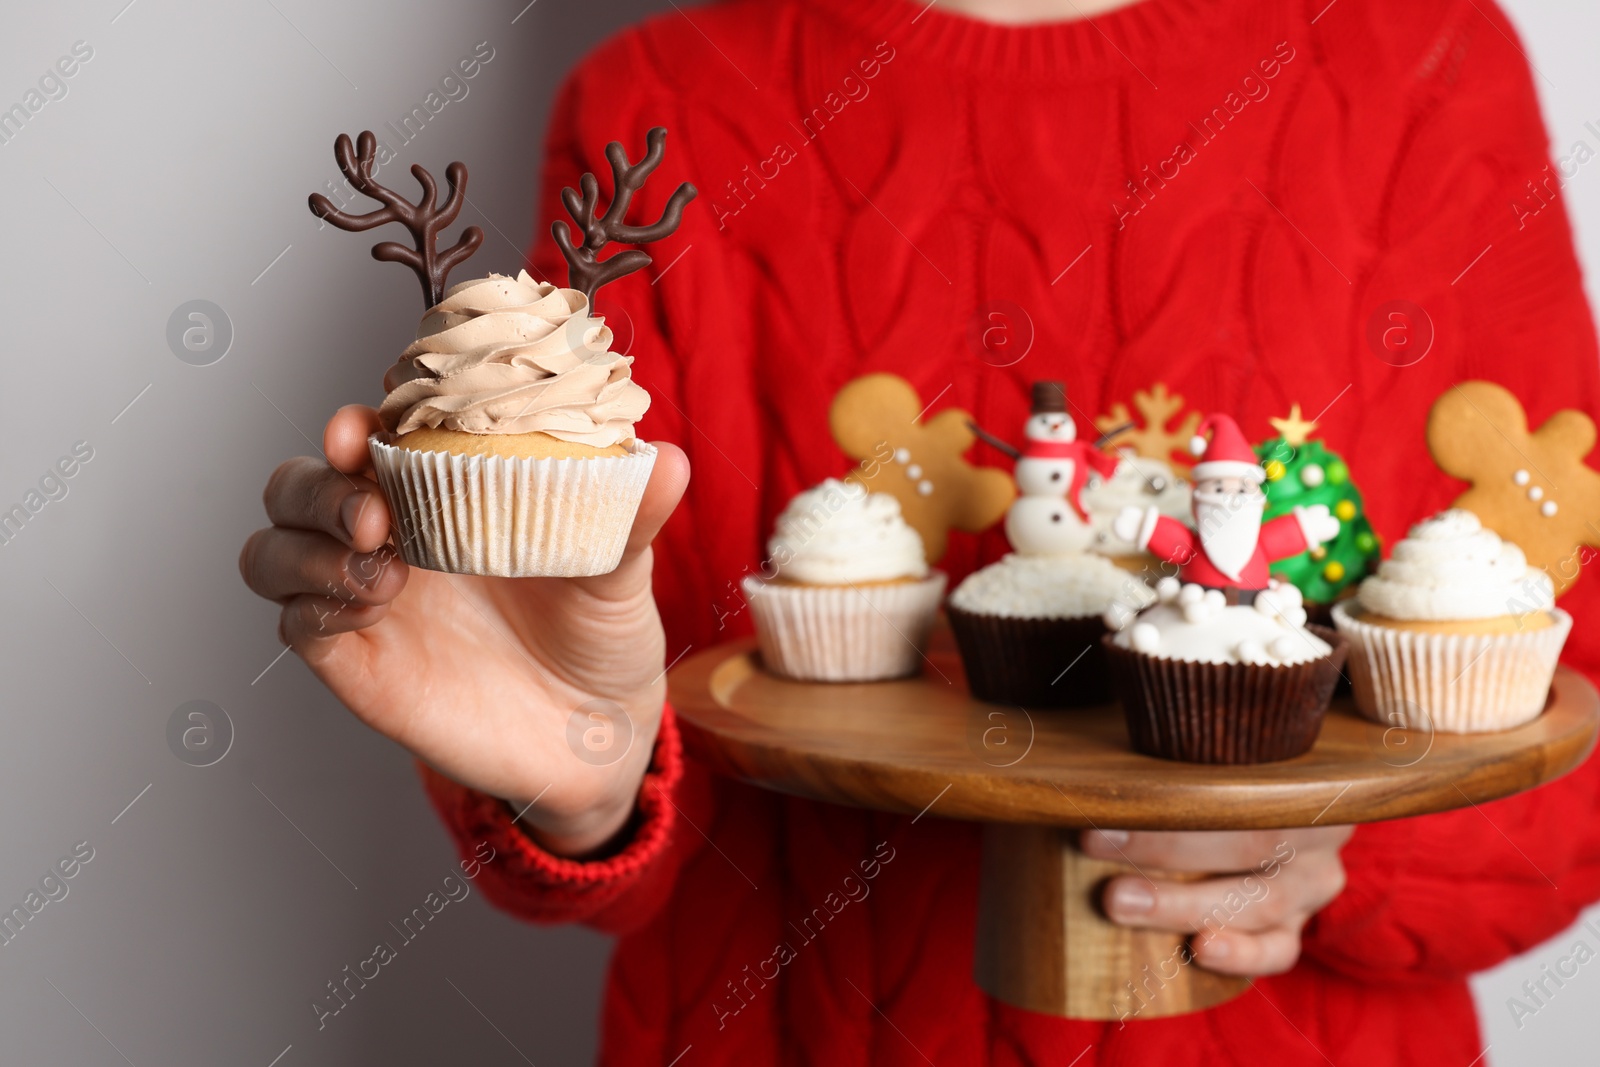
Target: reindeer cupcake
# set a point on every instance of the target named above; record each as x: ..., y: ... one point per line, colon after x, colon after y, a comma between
x: 509, y: 445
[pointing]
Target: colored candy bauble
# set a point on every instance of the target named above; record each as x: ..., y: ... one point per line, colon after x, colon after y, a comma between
x: 1302, y: 472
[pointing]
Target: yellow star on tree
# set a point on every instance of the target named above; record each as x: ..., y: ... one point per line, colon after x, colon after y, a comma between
x: 1295, y: 430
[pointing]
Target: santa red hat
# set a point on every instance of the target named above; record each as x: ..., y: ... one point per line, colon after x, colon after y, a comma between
x: 1227, y: 454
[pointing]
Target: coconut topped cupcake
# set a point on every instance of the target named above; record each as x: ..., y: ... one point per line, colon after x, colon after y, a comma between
x: 1029, y: 625
x: 1197, y: 625
x: 1050, y: 587
x: 838, y: 533
x: 1449, y: 568
x: 501, y: 355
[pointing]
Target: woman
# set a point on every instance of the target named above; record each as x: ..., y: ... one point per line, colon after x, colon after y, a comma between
x: 1222, y: 196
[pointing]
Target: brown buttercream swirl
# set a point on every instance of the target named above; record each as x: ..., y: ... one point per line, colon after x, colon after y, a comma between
x: 514, y: 355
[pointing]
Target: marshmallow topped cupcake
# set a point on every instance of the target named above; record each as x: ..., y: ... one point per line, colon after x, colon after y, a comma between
x: 1205, y: 681
x: 511, y: 447
x: 1456, y: 632
x: 1198, y: 626
x: 849, y: 596
x: 1029, y: 627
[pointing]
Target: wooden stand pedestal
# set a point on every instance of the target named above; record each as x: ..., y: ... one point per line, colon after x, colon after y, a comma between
x: 1044, y: 945
x: 924, y: 744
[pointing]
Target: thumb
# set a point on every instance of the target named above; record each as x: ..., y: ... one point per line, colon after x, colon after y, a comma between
x: 668, y: 480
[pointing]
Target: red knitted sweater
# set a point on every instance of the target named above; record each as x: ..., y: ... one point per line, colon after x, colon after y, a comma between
x: 1215, y: 195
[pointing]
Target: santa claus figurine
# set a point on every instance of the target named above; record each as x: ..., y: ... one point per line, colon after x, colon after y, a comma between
x: 1230, y: 547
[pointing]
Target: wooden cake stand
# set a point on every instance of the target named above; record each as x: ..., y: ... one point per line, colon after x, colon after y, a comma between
x: 1034, y: 779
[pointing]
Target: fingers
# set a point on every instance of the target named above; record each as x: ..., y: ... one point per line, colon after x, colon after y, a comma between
x: 1210, y: 851
x: 306, y: 494
x: 1250, y: 955
x: 1251, y: 902
x: 1244, y: 923
x: 306, y: 619
x: 344, y: 440
x: 281, y: 564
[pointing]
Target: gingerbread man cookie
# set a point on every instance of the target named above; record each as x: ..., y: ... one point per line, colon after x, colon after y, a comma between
x: 1532, y: 489
x: 877, y: 419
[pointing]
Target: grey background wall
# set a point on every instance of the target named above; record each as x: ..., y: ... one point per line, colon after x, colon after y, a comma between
x: 217, y: 907
x: 221, y: 899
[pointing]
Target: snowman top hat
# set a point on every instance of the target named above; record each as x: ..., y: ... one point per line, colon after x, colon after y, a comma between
x: 1050, y: 398
x: 1227, y: 454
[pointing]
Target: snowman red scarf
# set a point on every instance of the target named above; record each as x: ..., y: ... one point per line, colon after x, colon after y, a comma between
x: 1084, y: 457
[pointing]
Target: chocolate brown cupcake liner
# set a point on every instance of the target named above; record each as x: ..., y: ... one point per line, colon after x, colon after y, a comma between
x: 1228, y: 713
x: 1032, y: 663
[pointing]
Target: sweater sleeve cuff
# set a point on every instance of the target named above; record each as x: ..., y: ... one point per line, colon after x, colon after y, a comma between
x: 533, y: 884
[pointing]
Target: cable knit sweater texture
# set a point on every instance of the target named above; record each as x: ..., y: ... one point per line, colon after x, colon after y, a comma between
x: 875, y: 180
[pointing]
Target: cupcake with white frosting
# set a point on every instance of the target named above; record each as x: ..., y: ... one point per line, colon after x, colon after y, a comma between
x: 1455, y: 633
x: 847, y: 595
x: 1029, y: 627
x: 509, y: 445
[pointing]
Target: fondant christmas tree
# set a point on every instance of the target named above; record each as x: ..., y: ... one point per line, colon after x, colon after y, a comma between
x: 1302, y: 472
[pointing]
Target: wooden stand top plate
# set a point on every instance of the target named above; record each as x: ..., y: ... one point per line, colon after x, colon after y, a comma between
x: 923, y: 742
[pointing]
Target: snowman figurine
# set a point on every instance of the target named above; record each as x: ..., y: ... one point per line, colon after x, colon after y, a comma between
x: 1053, y: 466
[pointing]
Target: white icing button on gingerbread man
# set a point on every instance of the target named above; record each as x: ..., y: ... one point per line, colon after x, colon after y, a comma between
x: 1548, y: 508
x: 903, y: 455
x: 1520, y: 477
x: 1534, y: 492
x: 914, y: 471
x: 925, y: 487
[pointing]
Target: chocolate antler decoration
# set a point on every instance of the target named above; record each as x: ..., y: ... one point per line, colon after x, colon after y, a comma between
x: 424, y: 219
x: 585, y: 271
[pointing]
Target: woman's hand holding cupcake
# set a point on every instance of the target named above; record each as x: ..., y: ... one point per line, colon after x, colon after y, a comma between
x: 504, y: 449
x: 476, y: 676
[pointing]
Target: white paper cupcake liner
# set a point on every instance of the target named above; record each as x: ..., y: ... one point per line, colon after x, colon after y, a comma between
x: 512, y: 517
x: 844, y: 633
x: 1451, y: 683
